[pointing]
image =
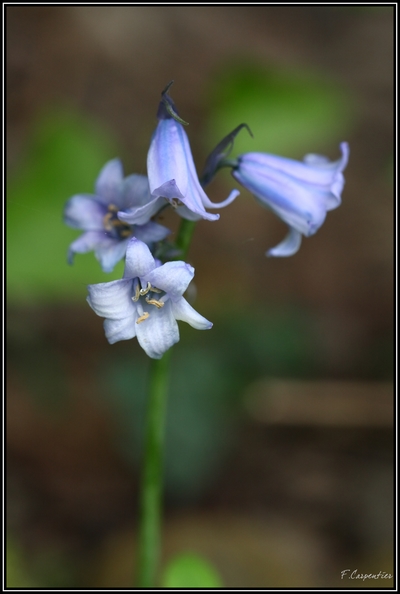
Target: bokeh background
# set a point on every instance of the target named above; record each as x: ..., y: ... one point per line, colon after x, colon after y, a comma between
x: 279, y: 434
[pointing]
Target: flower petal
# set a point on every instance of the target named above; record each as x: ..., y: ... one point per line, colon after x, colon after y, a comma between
x: 158, y: 332
x: 151, y: 232
x: 111, y: 253
x: 315, y: 170
x: 136, y: 191
x: 112, y: 300
x: 182, y: 310
x: 172, y: 277
x: 86, y: 242
x: 109, y: 183
x: 289, y: 246
x: 166, y: 160
x: 171, y: 169
x: 185, y: 213
x: 140, y: 215
x: 207, y: 202
x: 299, y: 204
x: 139, y: 261
x: 84, y: 211
x: 299, y: 193
x: 117, y: 330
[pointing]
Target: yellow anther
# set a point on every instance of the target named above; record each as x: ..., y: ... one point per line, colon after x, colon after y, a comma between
x: 137, y: 294
x: 107, y: 221
x: 146, y: 290
x: 158, y: 304
x: 143, y: 317
x: 155, y: 290
x: 113, y: 208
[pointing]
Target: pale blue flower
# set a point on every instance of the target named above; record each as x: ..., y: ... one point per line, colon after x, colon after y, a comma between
x: 300, y: 193
x: 147, y: 302
x: 172, y: 173
x: 98, y: 216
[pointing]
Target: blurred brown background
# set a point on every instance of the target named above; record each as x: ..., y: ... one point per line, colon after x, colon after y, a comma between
x: 290, y: 479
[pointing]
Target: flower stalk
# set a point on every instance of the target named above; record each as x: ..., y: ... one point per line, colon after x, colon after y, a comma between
x: 152, y: 479
x: 184, y: 237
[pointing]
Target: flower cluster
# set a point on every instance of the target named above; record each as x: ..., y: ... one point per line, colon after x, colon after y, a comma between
x: 119, y: 221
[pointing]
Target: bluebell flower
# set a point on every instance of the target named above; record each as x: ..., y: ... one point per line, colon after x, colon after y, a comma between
x: 172, y: 173
x: 146, y: 302
x: 98, y: 216
x: 300, y: 193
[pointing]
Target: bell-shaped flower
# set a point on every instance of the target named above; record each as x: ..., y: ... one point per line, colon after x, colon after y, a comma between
x: 300, y: 193
x: 97, y: 216
x: 172, y: 173
x: 147, y: 302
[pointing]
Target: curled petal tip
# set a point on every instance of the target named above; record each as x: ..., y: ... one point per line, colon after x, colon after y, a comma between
x: 288, y: 247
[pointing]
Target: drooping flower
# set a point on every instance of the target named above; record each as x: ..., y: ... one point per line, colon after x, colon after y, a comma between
x: 171, y: 170
x: 300, y: 193
x: 97, y: 215
x: 146, y: 302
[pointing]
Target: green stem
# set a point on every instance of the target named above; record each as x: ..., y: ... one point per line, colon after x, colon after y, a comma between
x: 150, y: 516
x: 184, y: 237
x: 151, y: 495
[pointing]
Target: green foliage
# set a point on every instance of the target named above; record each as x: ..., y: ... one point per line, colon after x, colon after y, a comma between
x: 289, y: 112
x: 188, y: 570
x: 44, y: 568
x: 17, y: 572
x: 64, y: 157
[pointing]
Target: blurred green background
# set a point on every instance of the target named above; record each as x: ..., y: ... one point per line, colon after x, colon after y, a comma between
x: 271, y: 500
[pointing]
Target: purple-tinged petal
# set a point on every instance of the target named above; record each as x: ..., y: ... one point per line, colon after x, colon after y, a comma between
x: 167, y: 161
x: 112, y: 300
x: 84, y: 212
x: 298, y: 204
x: 185, y: 312
x: 170, y: 191
x: 109, y: 183
x: 207, y: 202
x: 109, y: 255
x: 321, y: 162
x: 299, y: 193
x: 86, y: 242
x: 136, y: 191
x: 185, y: 213
x: 316, y: 169
x: 172, y: 173
x: 172, y: 277
x: 140, y: 215
x: 151, y: 232
x: 158, y: 332
x: 117, y: 330
x: 289, y: 246
x: 139, y: 261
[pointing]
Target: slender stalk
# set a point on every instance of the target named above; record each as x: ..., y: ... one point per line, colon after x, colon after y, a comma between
x: 152, y: 479
x: 184, y: 237
x: 151, y: 496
